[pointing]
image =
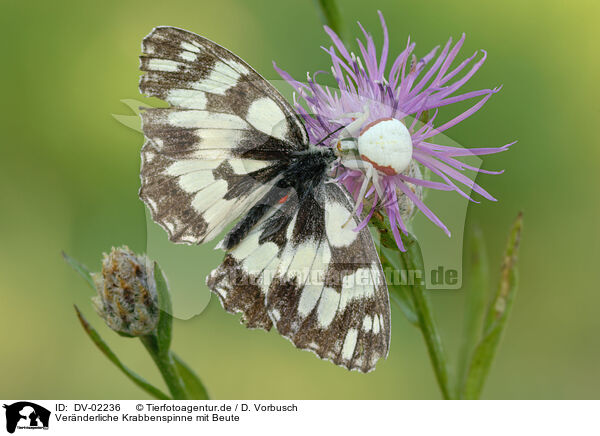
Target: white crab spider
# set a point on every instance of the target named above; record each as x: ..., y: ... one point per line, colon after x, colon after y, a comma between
x: 382, y: 147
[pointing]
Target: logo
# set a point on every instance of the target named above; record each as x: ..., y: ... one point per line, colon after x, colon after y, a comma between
x: 26, y: 415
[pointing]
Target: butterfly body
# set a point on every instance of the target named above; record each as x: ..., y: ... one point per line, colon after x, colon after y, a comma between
x: 231, y: 148
x: 304, y: 172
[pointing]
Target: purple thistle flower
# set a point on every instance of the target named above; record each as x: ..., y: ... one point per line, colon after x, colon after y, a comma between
x: 368, y: 100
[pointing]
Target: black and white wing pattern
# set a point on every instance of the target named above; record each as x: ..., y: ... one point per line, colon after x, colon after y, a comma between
x: 229, y: 146
x: 319, y: 283
x: 222, y: 142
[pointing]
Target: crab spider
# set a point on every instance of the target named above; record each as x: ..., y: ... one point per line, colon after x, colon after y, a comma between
x: 382, y: 147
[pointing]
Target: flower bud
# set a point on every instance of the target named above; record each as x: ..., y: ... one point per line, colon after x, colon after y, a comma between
x: 127, y: 298
x: 405, y: 205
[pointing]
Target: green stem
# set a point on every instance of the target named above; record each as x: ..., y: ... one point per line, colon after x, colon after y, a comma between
x: 413, y: 261
x: 330, y: 16
x: 432, y: 339
x: 166, y: 365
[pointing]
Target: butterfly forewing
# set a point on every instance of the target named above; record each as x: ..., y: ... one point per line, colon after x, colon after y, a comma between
x: 194, y: 73
x: 218, y: 148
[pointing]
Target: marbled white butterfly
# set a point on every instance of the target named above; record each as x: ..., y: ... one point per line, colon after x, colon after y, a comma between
x: 231, y: 147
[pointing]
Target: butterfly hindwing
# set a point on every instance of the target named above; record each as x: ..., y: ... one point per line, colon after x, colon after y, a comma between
x: 341, y: 311
x: 319, y: 283
x: 220, y: 145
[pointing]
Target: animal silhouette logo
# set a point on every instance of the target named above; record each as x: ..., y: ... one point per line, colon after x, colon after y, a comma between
x: 26, y: 415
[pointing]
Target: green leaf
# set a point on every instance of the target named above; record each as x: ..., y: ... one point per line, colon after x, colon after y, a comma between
x: 475, y: 304
x: 392, y: 261
x: 399, y: 293
x: 132, y: 121
x: 497, y: 316
x: 330, y: 15
x: 165, y: 320
x: 399, y: 296
x: 81, y: 269
x: 95, y: 337
x: 166, y: 365
x: 192, y: 384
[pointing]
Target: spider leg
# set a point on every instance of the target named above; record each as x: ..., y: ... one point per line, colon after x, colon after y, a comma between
x: 359, y: 118
x: 369, y: 175
x: 378, y: 186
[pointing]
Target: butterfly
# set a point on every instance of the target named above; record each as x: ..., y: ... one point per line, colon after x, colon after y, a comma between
x: 230, y: 148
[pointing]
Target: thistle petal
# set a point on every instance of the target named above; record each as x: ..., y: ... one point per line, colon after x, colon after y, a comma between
x: 410, y: 88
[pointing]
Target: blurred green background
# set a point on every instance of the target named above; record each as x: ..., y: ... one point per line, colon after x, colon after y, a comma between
x: 69, y: 180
